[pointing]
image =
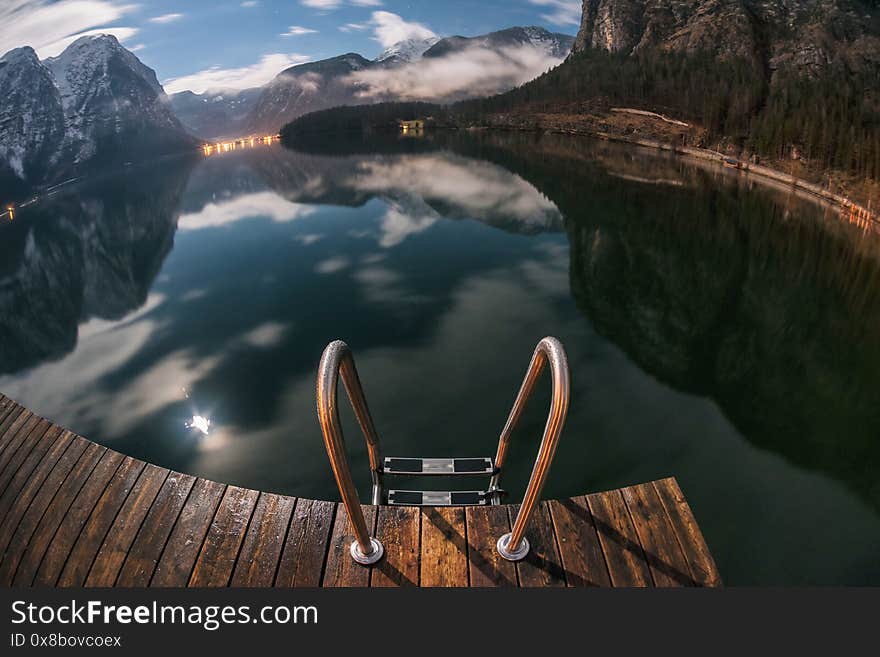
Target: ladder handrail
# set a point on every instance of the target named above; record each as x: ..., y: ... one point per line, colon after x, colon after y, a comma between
x: 514, y: 546
x: 337, y: 358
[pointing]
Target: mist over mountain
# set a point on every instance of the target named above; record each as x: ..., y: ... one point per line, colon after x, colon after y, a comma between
x: 441, y: 70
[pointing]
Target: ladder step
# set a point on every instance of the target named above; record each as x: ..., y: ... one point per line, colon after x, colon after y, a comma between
x: 395, y: 465
x: 437, y: 498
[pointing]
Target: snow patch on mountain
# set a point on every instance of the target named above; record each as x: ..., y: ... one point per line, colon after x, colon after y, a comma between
x: 407, y: 50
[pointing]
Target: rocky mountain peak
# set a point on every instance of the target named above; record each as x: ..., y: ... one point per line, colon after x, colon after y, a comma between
x: 806, y: 35
x: 95, y: 98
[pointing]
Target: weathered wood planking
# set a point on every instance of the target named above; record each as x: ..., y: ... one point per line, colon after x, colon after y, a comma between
x: 74, y: 513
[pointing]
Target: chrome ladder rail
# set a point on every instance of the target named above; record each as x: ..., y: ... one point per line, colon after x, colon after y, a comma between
x: 513, y: 546
x: 336, y: 359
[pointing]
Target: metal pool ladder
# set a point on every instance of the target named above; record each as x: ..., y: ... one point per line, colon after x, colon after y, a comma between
x: 365, y: 549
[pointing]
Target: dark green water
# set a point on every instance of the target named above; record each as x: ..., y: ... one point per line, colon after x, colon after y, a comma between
x: 717, y: 331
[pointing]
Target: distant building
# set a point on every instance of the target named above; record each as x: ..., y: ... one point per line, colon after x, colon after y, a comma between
x: 414, y: 128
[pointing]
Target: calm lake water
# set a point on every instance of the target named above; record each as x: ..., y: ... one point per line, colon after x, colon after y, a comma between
x: 717, y: 331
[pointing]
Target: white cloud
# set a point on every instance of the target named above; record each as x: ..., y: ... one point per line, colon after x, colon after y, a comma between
x: 353, y: 27
x: 389, y: 29
x: 136, y: 47
x: 298, y: 30
x: 258, y: 204
x: 474, y: 71
x: 332, y: 265
x: 266, y: 335
x: 244, y: 77
x: 561, y: 12
x: 249, y: 4
x: 49, y: 27
x: 415, y: 185
x: 166, y: 18
x: 322, y: 4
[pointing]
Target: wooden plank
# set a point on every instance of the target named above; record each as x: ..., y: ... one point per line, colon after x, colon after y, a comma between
x: 6, y: 431
x: 19, y: 443
x: 127, y: 523
x: 305, y: 547
x: 180, y: 553
x: 699, y: 558
x: 27, y: 482
x: 29, y: 453
x: 662, y: 550
x: 444, y: 559
x: 8, y: 409
x: 264, y: 542
x: 217, y: 559
x: 94, y: 530
x: 542, y: 565
x: 620, y: 542
x: 341, y: 569
x: 397, y: 528
x: 55, y: 513
x: 579, y: 545
x: 75, y: 518
x: 46, y: 491
x: 485, y: 524
x: 145, y: 550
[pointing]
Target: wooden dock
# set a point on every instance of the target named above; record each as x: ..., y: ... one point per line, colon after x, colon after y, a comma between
x: 74, y: 513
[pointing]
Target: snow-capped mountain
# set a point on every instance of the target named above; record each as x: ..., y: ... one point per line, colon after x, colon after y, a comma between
x: 95, y: 101
x: 333, y: 82
x: 552, y: 43
x: 215, y: 114
x: 406, y: 51
x: 31, y: 118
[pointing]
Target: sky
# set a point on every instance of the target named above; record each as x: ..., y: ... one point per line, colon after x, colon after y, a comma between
x: 211, y: 44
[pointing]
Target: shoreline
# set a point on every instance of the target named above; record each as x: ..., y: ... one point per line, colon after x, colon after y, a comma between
x: 848, y: 209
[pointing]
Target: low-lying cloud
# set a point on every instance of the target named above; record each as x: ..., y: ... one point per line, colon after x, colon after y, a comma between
x: 216, y: 78
x: 476, y: 71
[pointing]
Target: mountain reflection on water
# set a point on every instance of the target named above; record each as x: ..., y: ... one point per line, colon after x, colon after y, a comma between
x: 717, y: 331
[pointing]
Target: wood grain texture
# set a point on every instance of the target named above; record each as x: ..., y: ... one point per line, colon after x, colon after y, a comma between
x: 19, y: 544
x: 397, y: 528
x: 662, y: 551
x: 180, y: 554
x: 216, y: 561
x: 98, y: 524
x: 340, y: 569
x: 306, y: 544
x: 624, y: 554
x: 542, y: 566
x: 112, y: 553
x: 485, y: 525
x: 579, y: 547
x: 261, y: 551
x: 76, y: 515
x: 143, y: 555
x: 56, y: 511
x: 702, y: 564
x: 444, y: 559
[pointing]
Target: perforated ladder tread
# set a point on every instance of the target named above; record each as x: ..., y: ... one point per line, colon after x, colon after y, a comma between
x: 437, y: 498
x: 395, y: 465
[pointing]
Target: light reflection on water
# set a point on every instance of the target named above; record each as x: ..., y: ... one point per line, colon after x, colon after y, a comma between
x: 715, y: 332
